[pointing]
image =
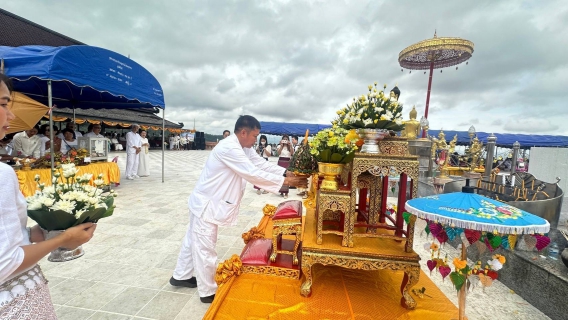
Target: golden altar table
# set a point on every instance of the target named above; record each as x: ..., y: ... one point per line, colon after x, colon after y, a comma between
x: 28, y: 186
x: 367, y: 254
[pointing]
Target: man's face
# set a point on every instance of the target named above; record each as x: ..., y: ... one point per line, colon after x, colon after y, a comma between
x: 32, y: 132
x: 226, y: 134
x: 294, y: 141
x: 97, y: 129
x: 247, y: 138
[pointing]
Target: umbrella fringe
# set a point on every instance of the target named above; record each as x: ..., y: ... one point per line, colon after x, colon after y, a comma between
x: 453, y: 222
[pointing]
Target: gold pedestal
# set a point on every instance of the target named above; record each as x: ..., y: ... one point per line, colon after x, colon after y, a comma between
x: 330, y: 172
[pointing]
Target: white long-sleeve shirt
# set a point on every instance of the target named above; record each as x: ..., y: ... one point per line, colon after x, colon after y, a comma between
x: 13, y: 219
x: 132, y: 140
x: 27, y: 146
x: 218, y: 193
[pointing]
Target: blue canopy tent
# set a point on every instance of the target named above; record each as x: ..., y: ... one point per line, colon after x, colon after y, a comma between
x: 507, y: 139
x: 503, y: 139
x: 82, y: 77
x: 290, y: 128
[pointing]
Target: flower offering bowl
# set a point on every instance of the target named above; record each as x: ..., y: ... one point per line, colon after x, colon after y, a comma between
x: 371, y: 139
x: 62, y: 254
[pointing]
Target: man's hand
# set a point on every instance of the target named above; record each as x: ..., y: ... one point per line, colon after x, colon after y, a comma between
x: 295, y: 181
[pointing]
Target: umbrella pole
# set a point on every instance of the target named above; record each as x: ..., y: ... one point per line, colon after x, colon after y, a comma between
x: 462, y: 294
x: 163, y: 139
x: 51, y: 133
x: 428, y: 95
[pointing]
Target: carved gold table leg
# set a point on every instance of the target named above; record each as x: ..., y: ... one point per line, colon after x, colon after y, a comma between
x: 411, y: 277
x: 297, y: 244
x: 319, y: 234
x: 306, y: 288
x: 274, y: 243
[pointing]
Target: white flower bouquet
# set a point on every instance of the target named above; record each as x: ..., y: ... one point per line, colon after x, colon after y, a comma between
x: 375, y: 110
x: 74, y: 201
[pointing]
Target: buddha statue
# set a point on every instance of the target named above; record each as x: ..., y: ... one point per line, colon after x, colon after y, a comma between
x: 394, y: 94
x: 412, y: 126
x: 475, y: 152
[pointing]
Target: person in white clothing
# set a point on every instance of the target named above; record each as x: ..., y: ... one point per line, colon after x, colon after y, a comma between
x: 24, y: 293
x: 144, y: 163
x: 71, y: 126
x: 95, y: 131
x: 172, y: 141
x: 133, y: 148
x: 215, y: 201
x: 27, y: 143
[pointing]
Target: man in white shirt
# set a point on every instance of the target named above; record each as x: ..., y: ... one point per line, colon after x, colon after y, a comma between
x: 95, y: 132
x: 133, y: 147
x: 70, y: 125
x: 215, y: 201
x: 27, y: 144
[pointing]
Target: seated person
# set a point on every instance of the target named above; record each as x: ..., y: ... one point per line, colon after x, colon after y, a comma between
x: 69, y: 142
x: 116, y: 145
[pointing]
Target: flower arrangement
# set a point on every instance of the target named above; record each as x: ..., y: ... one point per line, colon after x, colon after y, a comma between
x: 331, y: 146
x: 71, y: 202
x: 75, y: 156
x: 372, y: 111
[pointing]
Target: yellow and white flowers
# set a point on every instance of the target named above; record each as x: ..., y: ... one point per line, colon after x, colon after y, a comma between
x: 372, y: 111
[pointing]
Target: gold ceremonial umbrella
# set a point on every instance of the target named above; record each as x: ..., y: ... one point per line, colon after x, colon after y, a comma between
x: 435, y: 53
x: 28, y: 112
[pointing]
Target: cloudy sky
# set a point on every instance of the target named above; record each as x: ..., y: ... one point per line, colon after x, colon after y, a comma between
x: 299, y: 61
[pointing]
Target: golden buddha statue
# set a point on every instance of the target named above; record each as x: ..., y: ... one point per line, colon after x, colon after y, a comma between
x: 453, y: 144
x: 475, y: 152
x: 412, y: 126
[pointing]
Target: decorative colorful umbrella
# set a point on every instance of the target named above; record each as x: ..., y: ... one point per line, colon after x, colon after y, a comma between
x: 475, y: 218
x: 435, y: 53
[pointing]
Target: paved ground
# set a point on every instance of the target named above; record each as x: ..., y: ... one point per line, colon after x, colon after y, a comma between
x: 125, y: 271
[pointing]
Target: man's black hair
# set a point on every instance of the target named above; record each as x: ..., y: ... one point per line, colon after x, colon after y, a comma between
x: 226, y: 131
x: 295, y: 137
x: 246, y: 122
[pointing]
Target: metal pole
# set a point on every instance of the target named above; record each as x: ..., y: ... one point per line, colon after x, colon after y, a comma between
x: 51, y: 136
x: 462, y: 293
x: 163, y: 139
x: 516, y: 147
x: 491, y: 139
x: 428, y: 95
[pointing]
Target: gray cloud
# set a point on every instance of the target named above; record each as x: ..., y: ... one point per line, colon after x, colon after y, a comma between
x: 301, y: 61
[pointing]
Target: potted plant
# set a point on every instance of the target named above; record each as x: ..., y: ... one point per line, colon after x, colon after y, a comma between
x: 69, y: 201
x: 332, y: 151
x: 373, y: 115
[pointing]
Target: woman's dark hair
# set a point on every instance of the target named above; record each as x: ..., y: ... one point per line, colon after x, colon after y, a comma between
x: 262, y: 137
x: 43, y: 128
x: 64, y: 131
x: 4, y: 78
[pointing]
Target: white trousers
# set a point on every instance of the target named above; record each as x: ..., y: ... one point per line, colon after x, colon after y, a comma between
x: 197, y: 257
x: 132, y: 160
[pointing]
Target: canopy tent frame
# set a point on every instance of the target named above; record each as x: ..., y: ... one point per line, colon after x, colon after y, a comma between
x: 107, y: 76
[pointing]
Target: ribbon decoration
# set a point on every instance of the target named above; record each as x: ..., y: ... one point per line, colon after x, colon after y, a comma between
x: 253, y: 233
x: 226, y: 270
x: 269, y: 210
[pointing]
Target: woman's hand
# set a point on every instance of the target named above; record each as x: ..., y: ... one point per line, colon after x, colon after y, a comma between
x: 36, y: 235
x: 77, y: 235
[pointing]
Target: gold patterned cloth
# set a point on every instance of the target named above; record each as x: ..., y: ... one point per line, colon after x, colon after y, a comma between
x: 28, y: 186
x: 338, y: 294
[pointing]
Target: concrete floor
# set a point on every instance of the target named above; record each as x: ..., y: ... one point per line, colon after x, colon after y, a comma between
x: 125, y: 271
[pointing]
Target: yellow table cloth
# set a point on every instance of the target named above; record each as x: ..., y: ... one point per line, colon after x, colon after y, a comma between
x: 28, y: 186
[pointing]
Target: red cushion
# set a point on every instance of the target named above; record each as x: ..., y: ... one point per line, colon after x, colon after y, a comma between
x: 257, y: 252
x: 288, y: 209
